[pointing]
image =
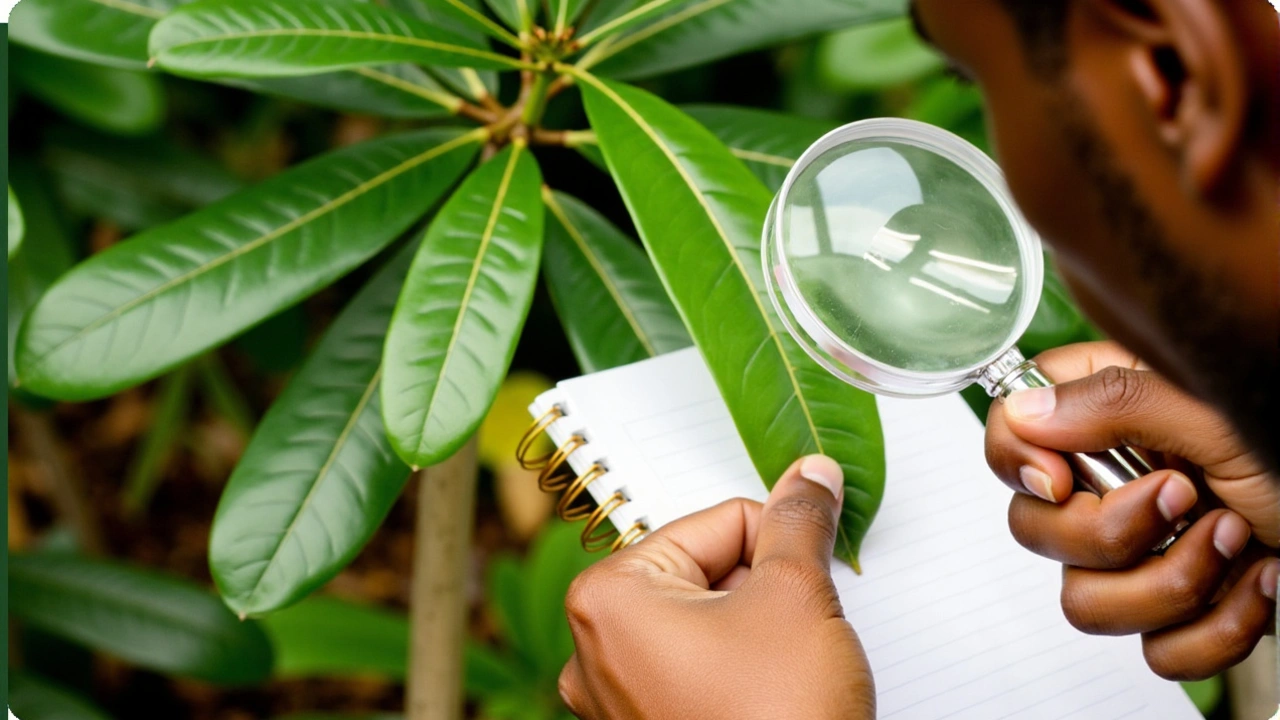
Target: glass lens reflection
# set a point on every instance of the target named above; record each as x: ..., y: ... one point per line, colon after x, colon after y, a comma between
x: 904, y: 254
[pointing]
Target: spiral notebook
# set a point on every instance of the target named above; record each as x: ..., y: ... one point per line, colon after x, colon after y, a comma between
x: 958, y: 621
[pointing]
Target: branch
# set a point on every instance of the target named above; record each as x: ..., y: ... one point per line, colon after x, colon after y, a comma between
x: 438, y: 600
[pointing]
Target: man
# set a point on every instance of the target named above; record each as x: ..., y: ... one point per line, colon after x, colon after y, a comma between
x: 1142, y: 139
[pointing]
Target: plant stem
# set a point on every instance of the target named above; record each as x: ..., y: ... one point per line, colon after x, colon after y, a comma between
x: 438, y: 602
x: 536, y: 102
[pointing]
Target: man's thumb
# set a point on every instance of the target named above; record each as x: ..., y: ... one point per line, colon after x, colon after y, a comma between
x: 798, y: 523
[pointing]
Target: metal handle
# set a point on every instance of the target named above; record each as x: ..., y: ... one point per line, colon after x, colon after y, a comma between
x: 1097, y: 472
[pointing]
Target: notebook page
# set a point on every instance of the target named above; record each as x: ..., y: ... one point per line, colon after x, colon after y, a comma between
x: 958, y: 621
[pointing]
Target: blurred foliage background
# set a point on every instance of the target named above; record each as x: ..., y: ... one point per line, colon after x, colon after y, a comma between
x: 104, y: 153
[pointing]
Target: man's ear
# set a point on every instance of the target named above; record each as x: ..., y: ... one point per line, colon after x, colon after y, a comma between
x: 1189, y: 68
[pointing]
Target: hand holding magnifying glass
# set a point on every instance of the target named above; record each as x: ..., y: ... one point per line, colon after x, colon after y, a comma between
x: 897, y: 259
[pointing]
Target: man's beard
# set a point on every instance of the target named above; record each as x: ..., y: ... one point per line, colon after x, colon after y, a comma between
x: 1210, y: 328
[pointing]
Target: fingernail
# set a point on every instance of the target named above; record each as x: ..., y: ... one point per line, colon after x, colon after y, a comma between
x: 1031, y: 404
x: 1176, y: 497
x: 823, y: 471
x: 1270, y: 578
x: 1230, y: 535
x: 1037, y: 482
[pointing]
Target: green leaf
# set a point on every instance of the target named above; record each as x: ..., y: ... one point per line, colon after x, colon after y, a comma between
x: 876, y: 55
x: 700, y: 212
x: 555, y: 559
x: 602, y: 11
x: 606, y: 292
x: 117, y: 101
x: 1057, y: 321
x: 136, y: 183
x: 704, y: 30
x: 639, y: 12
x: 465, y: 17
x: 768, y: 142
x: 394, y: 91
x: 275, y: 38
x: 167, y: 424
x: 15, y: 223
x: 33, y: 698
x: 104, y: 32
x: 42, y: 259
x: 517, y: 14
x: 486, y: 672
x: 505, y: 591
x: 455, y: 327
x: 151, y: 620
x: 319, y: 475
x: 146, y: 305
x: 563, y: 13
x: 1206, y: 694
x: 328, y: 637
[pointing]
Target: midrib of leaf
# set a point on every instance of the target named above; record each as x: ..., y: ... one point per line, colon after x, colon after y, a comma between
x: 354, y: 35
x: 562, y: 16
x: 490, y: 226
x: 321, y: 474
x: 644, y: 34
x: 760, y: 157
x: 622, y: 19
x: 443, y: 99
x: 343, y: 199
x: 639, y: 120
x: 480, y: 17
x: 132, y: 8
x: 581, y: 242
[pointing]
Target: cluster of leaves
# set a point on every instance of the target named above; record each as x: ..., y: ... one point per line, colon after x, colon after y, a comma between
x: 170, y: 626
x: 408, y: 370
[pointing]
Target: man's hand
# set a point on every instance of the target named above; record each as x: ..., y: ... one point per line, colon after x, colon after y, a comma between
x: 1203, y: 605
x: 728, y: 613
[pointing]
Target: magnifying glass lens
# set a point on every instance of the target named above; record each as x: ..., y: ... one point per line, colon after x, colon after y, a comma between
x: 902, y: 254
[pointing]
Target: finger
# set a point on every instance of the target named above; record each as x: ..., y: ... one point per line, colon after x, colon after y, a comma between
x: 798, y: 522
x: 700, y: 548
x: 573, y: 689
x: 1114, y: 531
x: 1024, y: 467
x: 1119, y: 406
x: 1223, y: 637
x: 1160, y: 591
x: 733, y: 580
x: 1072, y: 362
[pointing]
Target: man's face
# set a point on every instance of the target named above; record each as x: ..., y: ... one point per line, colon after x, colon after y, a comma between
x: 1167, y: 275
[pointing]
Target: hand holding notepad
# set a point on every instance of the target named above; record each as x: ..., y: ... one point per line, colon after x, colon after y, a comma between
x: 957, y: 620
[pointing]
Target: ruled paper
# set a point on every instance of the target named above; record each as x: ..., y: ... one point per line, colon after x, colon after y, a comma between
x: 957, y: 620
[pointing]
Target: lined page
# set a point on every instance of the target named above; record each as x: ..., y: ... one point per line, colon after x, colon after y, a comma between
x: 958, y: 621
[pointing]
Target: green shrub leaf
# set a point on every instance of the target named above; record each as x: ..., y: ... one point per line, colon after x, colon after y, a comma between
x: 679, y: 182
x: 319, y: 475
x: 769, y: 143
x: 152, y: 620
x: 876, y: 55
x: 703, y: 30
x: 394, y: 91
x: 105, y: 32
x: 455, y: 327
x: 114, y: 100
x: 327, y: 637
x: 42, y: 259
x: 16, y: 225
x: 273, y: 38
x: 148, y: 304
x: 606, y: 292
x: 1057, y: 321
x: 137, y: 183
x: 33, y: 698
x: 563, y: 13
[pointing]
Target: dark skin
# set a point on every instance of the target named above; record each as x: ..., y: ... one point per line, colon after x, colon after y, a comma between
x: 1150, y: 163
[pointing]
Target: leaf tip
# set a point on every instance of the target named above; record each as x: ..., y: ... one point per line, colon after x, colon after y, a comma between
x: 415, y: 468
x: 151, y: 62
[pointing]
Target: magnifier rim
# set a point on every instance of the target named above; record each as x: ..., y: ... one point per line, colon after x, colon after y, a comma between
x: 890, y: 379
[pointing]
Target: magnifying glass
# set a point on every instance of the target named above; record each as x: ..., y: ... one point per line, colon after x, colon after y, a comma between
x: 897, y: 258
